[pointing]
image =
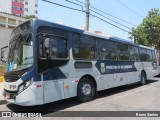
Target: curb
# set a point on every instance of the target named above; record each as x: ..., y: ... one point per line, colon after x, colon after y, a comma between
x: 1, y: 96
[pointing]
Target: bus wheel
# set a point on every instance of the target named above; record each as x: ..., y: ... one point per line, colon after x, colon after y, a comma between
x: 143, y: 78
x: 86, y: 90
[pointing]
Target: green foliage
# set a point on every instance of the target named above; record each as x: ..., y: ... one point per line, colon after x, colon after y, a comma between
x: 30, y: 17
x: 148, y: 32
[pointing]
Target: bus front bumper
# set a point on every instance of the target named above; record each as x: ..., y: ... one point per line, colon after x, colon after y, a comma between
x: 26, y: 98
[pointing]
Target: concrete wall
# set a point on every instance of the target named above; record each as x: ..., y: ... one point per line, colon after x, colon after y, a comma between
x: 4, y: 36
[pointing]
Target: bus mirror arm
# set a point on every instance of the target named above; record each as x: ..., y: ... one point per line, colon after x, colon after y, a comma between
x: 2, y: 53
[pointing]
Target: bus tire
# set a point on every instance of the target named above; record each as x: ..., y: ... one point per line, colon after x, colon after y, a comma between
x: 143, y: 78
x: 86, y: 90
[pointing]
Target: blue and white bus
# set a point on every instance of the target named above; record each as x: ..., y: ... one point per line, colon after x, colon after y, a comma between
x: 48, y: 62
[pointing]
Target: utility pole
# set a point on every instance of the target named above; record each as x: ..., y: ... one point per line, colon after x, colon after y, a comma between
x: 87, y: 16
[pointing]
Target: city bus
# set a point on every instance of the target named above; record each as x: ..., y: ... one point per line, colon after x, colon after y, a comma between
x: 48, y: 62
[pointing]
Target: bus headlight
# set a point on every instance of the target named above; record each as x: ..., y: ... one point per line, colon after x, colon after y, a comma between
x: 24, y: 85
x: 21, y: 88
x: 28, y: 83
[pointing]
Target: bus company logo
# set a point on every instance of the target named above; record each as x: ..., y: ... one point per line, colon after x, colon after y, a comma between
x: 6, y: 114
x: 103, y: 68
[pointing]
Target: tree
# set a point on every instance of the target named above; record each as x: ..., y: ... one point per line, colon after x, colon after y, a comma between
x: 148, y: 32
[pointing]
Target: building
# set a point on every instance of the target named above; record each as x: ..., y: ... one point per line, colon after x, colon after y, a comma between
x: 31, y: 7
x: 6, y: 6
x: 19, y: 7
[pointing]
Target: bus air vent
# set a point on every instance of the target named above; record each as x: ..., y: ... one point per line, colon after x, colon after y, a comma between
x: 11, y: 78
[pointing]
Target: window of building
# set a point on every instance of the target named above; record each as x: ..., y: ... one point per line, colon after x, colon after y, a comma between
x: 19, y: 8
x: 18, y: 1
x: 107, y: 50
x: 134, y: 53
x: 122, y: 52
x: 36, y: 11
x: 2, y: 25
x: 26, y: 2
x: 84, y: 47
x: 15, y: 0
x: 21, y: 1
x: 14, y: 7
x: 26, y: 9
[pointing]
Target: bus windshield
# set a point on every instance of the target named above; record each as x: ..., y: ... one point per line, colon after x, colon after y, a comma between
x: 20, y: 53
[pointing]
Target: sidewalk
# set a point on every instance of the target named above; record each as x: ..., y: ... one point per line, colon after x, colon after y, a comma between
x: 1, y: 90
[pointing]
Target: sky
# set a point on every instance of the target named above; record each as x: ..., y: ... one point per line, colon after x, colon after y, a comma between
x: 134, y: 13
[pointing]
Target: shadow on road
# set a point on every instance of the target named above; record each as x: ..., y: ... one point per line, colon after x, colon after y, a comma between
x: 121, y: 89
x: 62, y: 104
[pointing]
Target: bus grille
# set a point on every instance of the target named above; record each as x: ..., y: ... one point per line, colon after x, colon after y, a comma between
x: 12, y: 95
x: 11, y: 78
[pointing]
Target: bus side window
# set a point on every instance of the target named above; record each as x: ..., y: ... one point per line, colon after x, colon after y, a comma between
x: 134, y: 54
x: 149, y: 55
x: 143, y: 54
x: 122, y: 52
x: 53, y: 47
x: 154, y: 56
x: 84, y: 47
x: 107, y: 50
x: 58, y: 47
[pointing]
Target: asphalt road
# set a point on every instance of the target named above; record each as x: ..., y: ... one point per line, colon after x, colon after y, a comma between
x: 124, y: 98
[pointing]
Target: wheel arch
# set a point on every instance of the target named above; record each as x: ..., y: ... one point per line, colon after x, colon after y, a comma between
x: 92, y: 78
x: 144, y: 73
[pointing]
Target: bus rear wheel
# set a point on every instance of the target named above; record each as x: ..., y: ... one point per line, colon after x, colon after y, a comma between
x: 143, y: 78
x: 85, y: 90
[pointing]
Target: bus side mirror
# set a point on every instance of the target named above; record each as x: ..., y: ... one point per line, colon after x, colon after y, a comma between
x: 46, y: 43
x: 4, y: 54
x: 44, y: 47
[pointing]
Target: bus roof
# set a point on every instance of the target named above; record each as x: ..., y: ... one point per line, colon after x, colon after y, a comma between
x: 142, y: 46
x: 112, y: 38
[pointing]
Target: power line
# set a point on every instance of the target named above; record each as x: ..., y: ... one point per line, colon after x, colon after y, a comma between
x: 87, y: 12
x: 102, y: 16
x: 84, y: 12
x: 110, y: 19
x: 76, y: 4
x: 80, y: 2
x: 63, y: 6
x: 113, y: 16
x: 129, y: 8
x: 111, y: 24
x: 107, y: 14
